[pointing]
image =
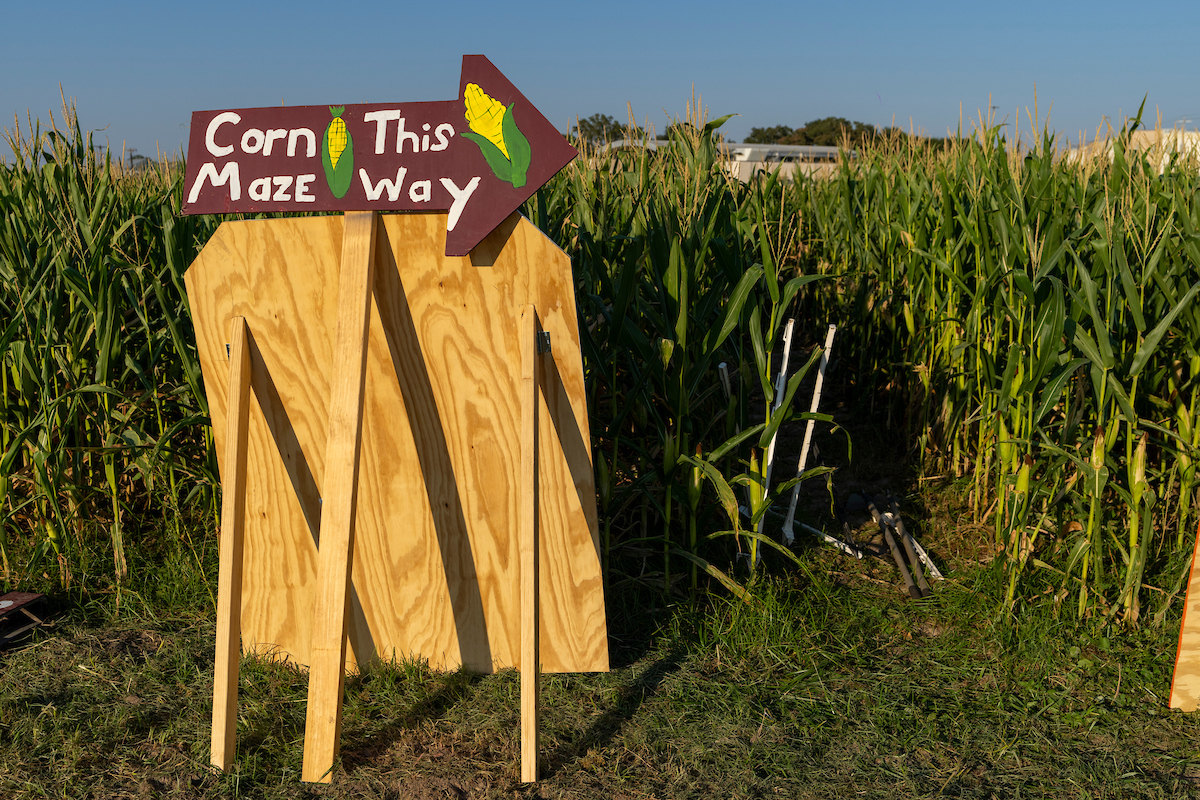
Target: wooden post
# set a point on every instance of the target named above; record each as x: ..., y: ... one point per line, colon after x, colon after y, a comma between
x: 229, y: 578
x: 531, y: 350
x: 322, y: 728
x: 1185, y: 681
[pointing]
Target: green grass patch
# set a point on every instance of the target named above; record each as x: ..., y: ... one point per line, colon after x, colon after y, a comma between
x: 830, y: 684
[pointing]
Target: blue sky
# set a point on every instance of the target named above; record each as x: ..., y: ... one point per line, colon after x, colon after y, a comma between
x: 138, y: 70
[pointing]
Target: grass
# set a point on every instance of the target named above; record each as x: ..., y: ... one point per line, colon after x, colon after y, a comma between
x: 831, y: 685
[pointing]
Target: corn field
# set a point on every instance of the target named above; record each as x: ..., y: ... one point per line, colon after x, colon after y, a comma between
x: 102, y: 408
x: 1028, y: 324
x: 1034, y: 323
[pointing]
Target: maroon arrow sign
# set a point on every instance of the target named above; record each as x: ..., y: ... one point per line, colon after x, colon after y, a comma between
x: 479, y: 157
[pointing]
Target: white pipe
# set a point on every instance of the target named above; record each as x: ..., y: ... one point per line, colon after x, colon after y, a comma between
x: 930, y: 569
x: 788, y: 535
x: 723, y: 371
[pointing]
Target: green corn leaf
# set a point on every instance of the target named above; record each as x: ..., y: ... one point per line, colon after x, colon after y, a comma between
x: 784, y: 410
x: 729, y: 583
x: 1086, y: 344
x: 519, y: 153
x: 767, y: 540
x: 1052, y: 391
x: 495, y: 159
x: 724, y: 491
x: 1148, y: 346
x: 1098, y: 323
x: 717, y: 123
x: 1133, y: 300
x: 761, y: 362
x: 768, y: 262
x: 795, y: 284
x: 734, y: 441
x: 733, y: 306
x: 1122, y: 398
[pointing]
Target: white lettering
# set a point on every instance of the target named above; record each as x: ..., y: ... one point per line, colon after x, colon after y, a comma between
x: 403, y: 135
x: 443, y: 139
x: 380, y: 118
x: 258, y: 138
x: 272, y: 135
x: 282, y: 182
x: 420, y: 191
x: 461, y: 196
x: 393, y: 189
x: 210, y: 136
x: 302, y: 182
x: 229, y: 174
x: 294, y: 135
x: 259, y: 189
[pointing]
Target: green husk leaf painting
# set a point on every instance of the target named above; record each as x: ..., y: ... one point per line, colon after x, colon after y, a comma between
x: 495, y: 130
x: 337, y: 153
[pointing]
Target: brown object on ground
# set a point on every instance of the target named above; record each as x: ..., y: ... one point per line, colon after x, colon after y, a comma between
x: 10, y: 604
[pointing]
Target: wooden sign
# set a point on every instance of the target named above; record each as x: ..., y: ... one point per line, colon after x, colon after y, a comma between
x: 478, y: 157
x: 405, y: 456
x: 1185, y: 681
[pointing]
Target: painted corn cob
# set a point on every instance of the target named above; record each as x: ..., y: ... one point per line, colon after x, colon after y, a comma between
x: 495, y: 131
x: 337, y: 153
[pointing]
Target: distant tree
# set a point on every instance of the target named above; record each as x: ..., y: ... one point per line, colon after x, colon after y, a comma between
x: 830, y: 131
x: 771, y: 135
x: 601, y: 129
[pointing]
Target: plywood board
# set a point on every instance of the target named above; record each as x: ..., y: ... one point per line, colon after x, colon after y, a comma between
x: 233, y: 519
x: 1185, y: 685
x: 531, y: 355
x: 323, y: 725
x: 436, y: 569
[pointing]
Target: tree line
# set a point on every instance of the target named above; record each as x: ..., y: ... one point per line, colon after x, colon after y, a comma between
x: 600, y: 129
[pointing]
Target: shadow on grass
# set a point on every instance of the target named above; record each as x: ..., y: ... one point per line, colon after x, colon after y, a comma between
x: 364, y: 748
x: 609, y: 724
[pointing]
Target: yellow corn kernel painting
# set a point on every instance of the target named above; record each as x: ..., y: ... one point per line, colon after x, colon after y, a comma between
x: 495, y: 131
x: 337, y: 153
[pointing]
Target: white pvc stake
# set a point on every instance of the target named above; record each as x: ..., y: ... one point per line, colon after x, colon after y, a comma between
x: 780, y: 385
x: 723, y: 371
x: 930, y: 568
x: 788, y: 535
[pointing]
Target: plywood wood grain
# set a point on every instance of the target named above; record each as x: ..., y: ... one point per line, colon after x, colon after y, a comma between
x: 528, y: 544
x: 323, y: 726
x: 435, y: 570
x: 1185, y: 685
x: 233, y: 523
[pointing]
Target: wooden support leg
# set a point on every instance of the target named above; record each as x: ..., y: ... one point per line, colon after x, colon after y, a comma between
x: 322, y: 728
x: 1185, y: 682
x: 528, y: 510
x: 229, y: 579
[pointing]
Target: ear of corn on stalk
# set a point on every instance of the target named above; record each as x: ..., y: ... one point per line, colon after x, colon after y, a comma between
x: 495, y: 131
x: 337, y: 153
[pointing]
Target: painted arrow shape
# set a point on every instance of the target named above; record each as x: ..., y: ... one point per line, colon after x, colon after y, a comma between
x: 478, y: 157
